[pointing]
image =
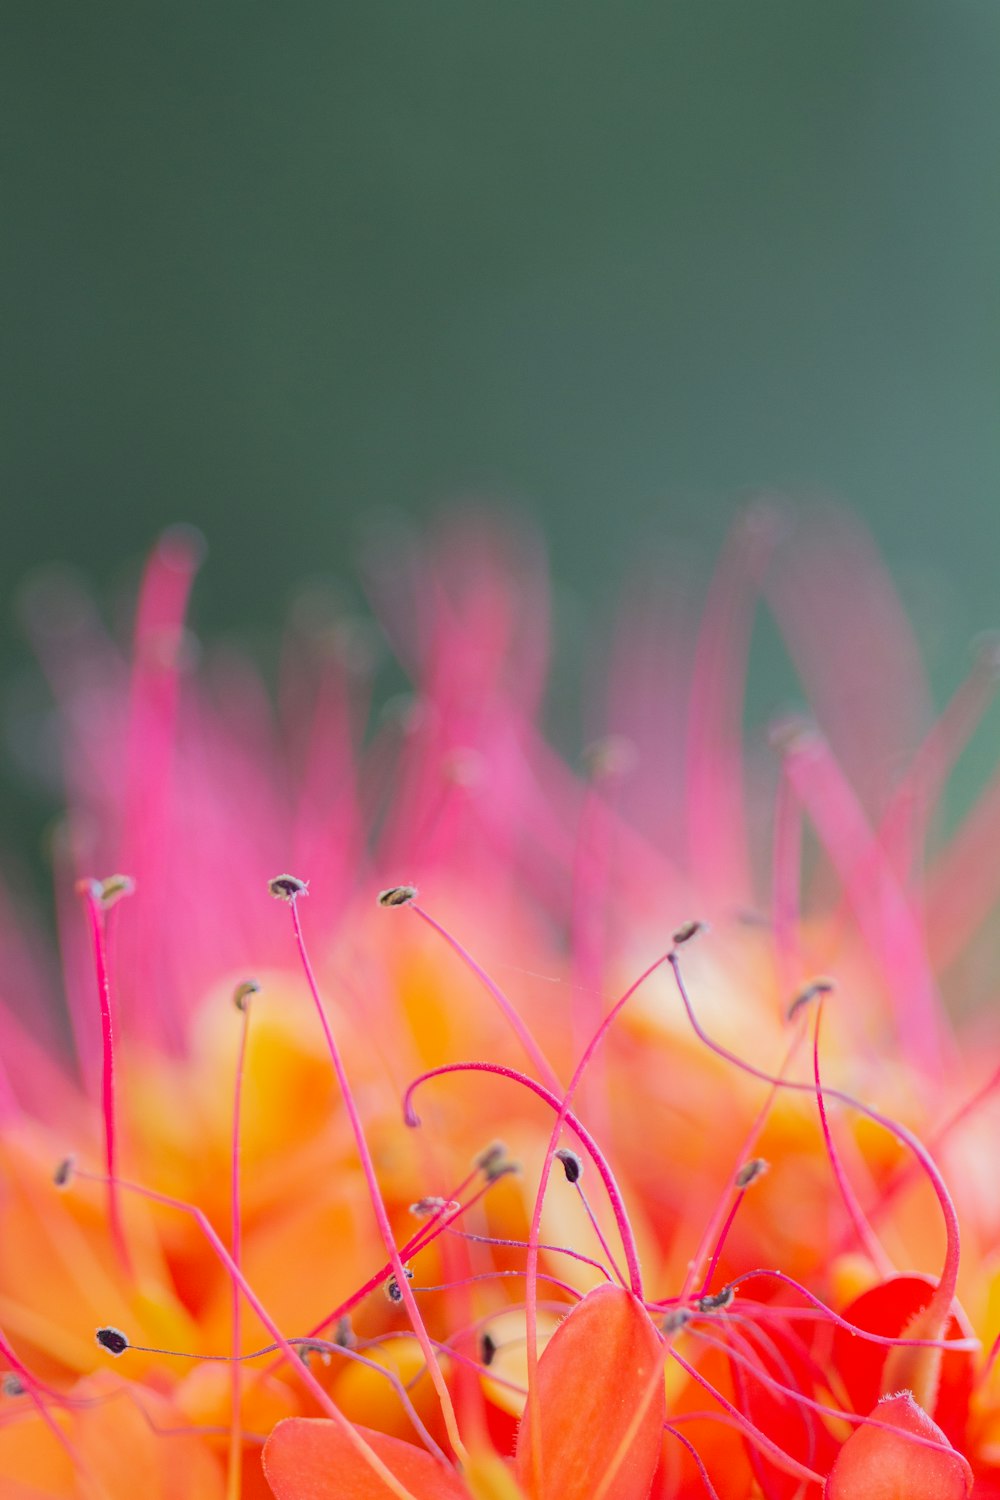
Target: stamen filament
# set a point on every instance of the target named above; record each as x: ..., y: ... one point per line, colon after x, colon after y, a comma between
x: 375, y: 1193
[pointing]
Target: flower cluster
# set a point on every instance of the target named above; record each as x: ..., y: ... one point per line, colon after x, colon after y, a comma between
x: 550, y: 1133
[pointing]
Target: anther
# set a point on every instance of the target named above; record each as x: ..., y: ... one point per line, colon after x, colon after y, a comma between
x: 750, y: 1171
x: 244, y: 990
x: 63, y: 1174
x: 494, y: 1162
x: 12, y: 1385
x: 343, y: 1334
x: 425, y: 1208
x: 676, y: 1319
x: 397, y: 895
x: 113, y: 1340
x: 572, y: 1164
x: 114, y: 888
x: 687, y: 931
x: 287, y: 887
x: 307, y: 1350
x: 715, y: 1301
x: 821, y: 985
x: 392, y: 1287
x: 487, y: 1348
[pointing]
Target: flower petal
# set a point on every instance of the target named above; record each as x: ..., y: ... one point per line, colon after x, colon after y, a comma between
x: 310, y: 1458
x: 888, y: 1308
x: 876, y: 1464
x: 601, y: 1404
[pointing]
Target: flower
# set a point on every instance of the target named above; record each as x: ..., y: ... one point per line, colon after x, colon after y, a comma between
x: 608, y: 1132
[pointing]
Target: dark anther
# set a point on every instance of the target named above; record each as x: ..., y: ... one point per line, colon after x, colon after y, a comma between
x: 243, y: 991
x: 113, y: 1340
x: 397, y: 895
x: 572, y: 1165
x: 425, y: 1208
x: 343, y: 1334
x: 287, y: 887
x: 750, y: 1171
x: 12, y: 1385
x: 487, y: 1348
x: 393, y: 1289
x: 494, y: 1162
x: 676, y: 1319
x: 686, y: 932
x: 822, y: 985
x: 63, y: 1174
x: 715, y: 1301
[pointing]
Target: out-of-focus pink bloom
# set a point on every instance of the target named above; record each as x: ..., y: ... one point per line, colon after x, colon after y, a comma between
x: 741, y: 1235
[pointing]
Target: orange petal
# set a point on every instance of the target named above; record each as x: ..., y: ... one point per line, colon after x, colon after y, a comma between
x: 888, y: 1308
x: 875, y: 1464
x: 309, y: 1458
x: 601, y: 1404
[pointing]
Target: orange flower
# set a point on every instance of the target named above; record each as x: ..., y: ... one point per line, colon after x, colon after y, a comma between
x: 689, y: 1213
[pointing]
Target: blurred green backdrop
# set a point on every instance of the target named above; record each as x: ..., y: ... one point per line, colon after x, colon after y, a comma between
x: 269, y: 268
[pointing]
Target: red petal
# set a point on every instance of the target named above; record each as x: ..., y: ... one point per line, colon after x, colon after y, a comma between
x: 599, y: 1375
x: 308, y: 1458
x: 877, y: 1465
x: 887, y: 1309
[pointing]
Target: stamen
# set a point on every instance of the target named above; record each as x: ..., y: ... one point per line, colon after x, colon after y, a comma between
x: 572, y: 1165
x: 716, y: 1301
x: 288, y: 889
x: 113, y: 1340
x: 751, y: 1171
x: 241, y: 999
x: 517, y: 1025
x: 398, y: 895
x: 686, y: 931
x: 96, y: 893
x: 63, y: 1174
x: 354, y: 1437
x: 243, y: 993
x: 393, y: 1289
x: 579, y: 1129
x: 935, y: 1315
x: 814, y: 990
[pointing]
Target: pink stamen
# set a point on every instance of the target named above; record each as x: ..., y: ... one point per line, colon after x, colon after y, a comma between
x: 562, y: 1115
x: 866, y: 1235
x: 305, y: 1374
x: 945, y: 1293
x: 883, y: 913
x: 517, y: 1025
x: 374, y: 1191
x: 555, y: 1103
x: 91, y: 891
x: 235, y: 1468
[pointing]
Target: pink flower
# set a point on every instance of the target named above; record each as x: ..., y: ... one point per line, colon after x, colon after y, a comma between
x: 741, y: 1235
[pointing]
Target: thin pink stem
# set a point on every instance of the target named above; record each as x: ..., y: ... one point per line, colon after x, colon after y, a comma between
x: 866, y: 1235
x: 515, y: 1022
x: 590, y: 1145
x: 305, y: 1374
x: 945, y: 1294
x: 91, y: 892
x: 375, y: 1193
x: 751, y: 1432
x: 235, y: 1469
x: 536, y: 1214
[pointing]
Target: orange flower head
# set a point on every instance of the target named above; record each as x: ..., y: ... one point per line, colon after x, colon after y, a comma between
x: 617, y: 1132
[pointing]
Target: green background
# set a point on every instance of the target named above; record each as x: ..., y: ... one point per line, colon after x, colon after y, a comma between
x: 274, y: 268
